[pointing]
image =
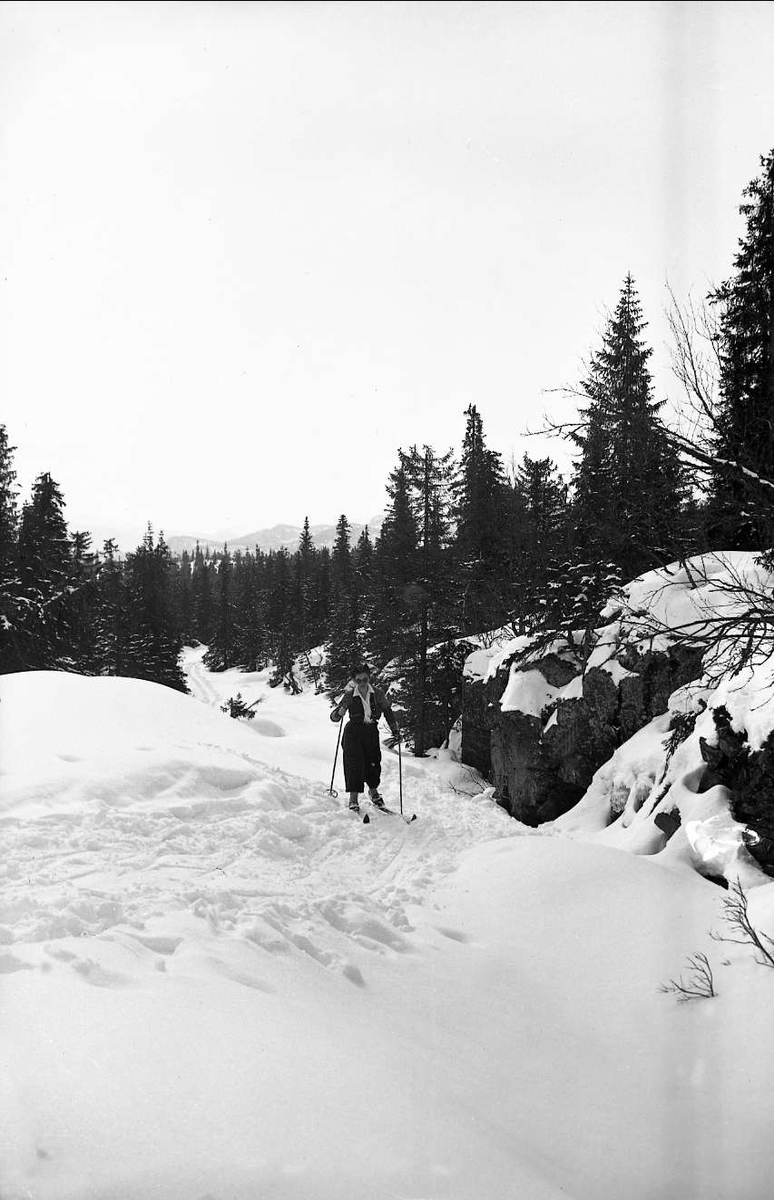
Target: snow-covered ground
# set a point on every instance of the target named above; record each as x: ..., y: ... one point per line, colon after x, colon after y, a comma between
x: 215, y: 982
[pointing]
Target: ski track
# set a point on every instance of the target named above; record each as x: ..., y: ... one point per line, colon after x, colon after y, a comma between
x: 288, y: 870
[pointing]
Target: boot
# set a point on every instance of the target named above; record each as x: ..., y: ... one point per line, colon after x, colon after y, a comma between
x: 354, y: 803
x: 375, y: 798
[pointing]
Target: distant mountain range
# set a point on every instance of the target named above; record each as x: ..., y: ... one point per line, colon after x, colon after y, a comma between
x: 273, y: 538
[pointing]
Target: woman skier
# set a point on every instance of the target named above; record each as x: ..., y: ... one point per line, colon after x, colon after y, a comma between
x: 362, y: 752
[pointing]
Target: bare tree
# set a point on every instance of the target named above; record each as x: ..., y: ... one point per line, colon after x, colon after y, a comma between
x: 695, y: 353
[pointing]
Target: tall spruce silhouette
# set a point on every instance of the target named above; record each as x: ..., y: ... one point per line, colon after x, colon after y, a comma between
x: 628, y: 490
x: 741, y: 511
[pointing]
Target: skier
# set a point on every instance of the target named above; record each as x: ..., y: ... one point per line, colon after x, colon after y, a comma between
x: 362, y: 752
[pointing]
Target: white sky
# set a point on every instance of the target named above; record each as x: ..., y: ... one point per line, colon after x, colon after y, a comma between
x: 247, y: 250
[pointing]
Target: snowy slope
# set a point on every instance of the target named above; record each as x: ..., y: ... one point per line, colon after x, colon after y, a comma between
x: 217, y: 983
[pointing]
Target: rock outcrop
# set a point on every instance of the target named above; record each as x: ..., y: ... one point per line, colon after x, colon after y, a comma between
x: 541, y: 762
x: 748, y: 775
x: 642, y: 727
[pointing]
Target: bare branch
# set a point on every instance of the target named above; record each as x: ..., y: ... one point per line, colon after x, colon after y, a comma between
x: 700, y: 984
x: 745, y: 934
x: 696, y: 365
x: 696, y: 360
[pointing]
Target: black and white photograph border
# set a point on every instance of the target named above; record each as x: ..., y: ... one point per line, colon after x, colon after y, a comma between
x: 386, y: 600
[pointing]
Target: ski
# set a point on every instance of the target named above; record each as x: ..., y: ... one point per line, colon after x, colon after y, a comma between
x: 392, y: 812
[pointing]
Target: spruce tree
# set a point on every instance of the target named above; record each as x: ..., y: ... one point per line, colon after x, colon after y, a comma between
x: 10, y: 612
x: 741, y: 511
x: 321, y: 598
x: 202, y: 589
x: 185, y: 599
x: 396, y: 567
x: 628, y: 482
x: 112, y: 634
x: 481, y: 507
x: 8, y: 508
x: 306, y: 546
x: 363, y: 575
x: 44, y: 544
x: 341, y: 560
x: 346, y: 642
x: 539, y: 531
x: 155, y: 645
x: 430, y: 477
x: 251, y: 648
x: 304, y: 564
x: 221, y: 648
x: 363, y: 560
x: 45, y: 578
x: 83, y: 604
x: 412, y: 611
x: 280, y: 616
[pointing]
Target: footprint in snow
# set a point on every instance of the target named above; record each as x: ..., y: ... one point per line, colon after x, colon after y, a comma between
x: 97, y: 975
x: 353, y: 974
x: 10, y: 963
x: 454, y: 934
x: 60, y: 953
x: 267, y: 728
x: 93, y: 972
x: 156, y: 943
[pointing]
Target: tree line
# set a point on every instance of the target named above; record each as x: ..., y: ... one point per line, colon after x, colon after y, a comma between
x: 469, y: 543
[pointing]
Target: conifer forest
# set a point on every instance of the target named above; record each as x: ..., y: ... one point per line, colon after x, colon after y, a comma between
x: 470, y: 543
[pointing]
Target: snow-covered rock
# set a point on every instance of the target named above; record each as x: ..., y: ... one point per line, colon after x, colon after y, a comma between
x: 600, y: 742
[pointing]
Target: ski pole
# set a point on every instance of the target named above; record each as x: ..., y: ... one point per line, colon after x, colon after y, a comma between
x: 400, y: 776
x: 332, y: 791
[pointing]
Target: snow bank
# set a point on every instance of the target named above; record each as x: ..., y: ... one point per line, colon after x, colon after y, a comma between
x: 645, y: 803
x: 190, y: 941
x: 240, y: 990
x: 647, y: 1097
x: 88, y: 743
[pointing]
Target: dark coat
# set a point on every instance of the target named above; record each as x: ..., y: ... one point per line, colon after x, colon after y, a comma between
x: 352, y: 703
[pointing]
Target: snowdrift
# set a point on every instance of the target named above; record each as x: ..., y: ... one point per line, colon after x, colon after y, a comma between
x: 215, y: 983
x: 104, y: 743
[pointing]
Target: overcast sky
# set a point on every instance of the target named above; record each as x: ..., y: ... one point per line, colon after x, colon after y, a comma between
x: 248, y: 250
